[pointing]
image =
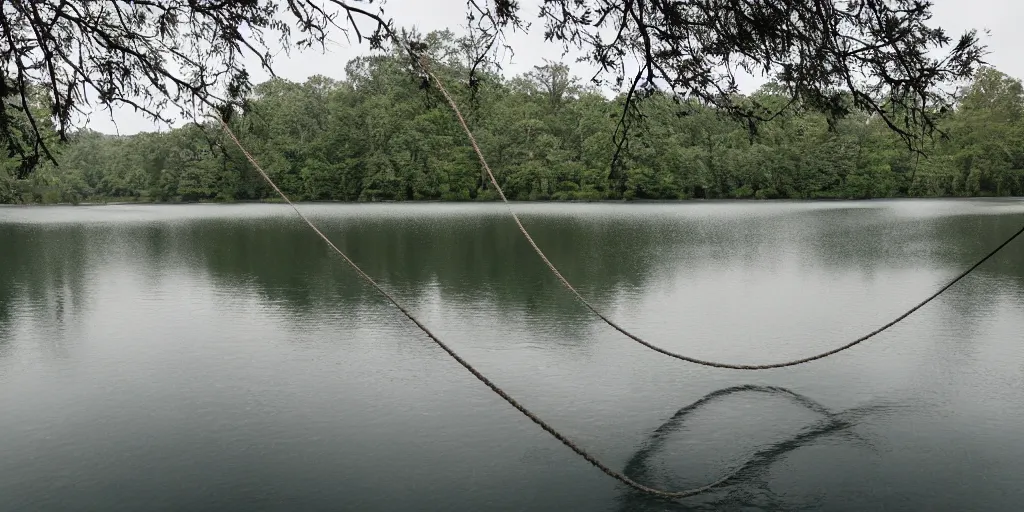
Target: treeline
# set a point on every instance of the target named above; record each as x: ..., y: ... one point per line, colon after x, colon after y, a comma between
x: 380, y: 135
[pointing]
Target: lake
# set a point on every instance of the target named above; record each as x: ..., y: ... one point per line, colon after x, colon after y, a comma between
x: 220, y: 357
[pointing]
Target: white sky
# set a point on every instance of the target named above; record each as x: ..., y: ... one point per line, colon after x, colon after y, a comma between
x: 1001, y: 17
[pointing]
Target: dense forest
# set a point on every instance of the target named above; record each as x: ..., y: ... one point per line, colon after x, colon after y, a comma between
x: 379, y: 134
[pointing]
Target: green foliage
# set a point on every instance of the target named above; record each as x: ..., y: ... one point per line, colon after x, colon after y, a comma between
x: 8, y: 192
x: 377, y: 136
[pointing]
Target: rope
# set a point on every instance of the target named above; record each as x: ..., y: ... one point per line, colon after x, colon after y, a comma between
x: 465, y: 364
x: 832, y: 422
x: 513, y: 402
x: 638, y: 339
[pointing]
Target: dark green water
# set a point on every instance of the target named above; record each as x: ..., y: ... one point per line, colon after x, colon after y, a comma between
x: 220, y: 358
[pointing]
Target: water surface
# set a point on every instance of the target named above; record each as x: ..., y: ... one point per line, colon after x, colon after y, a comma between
x: 221, y: 358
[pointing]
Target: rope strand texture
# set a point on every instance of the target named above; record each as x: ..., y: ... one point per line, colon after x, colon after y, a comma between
x: 638, y: 339
x: 465, y: 364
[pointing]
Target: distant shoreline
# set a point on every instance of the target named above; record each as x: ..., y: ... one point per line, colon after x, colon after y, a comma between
x: 573, y: 201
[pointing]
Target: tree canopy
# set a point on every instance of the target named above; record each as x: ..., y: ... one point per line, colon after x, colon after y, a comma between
x: 374, y: 136
x: 876, y: 56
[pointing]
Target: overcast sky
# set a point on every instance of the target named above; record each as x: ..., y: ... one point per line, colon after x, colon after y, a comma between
x: 1001, y: 17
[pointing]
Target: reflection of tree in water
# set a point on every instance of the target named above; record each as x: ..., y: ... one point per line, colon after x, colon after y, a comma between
x: 859, y: 239
x: 44, y: 269
x: 478, y: 259
x: 745, y: 488
x: 481, y: 259
x: 7, y: 306
x: 471, y: 260
x: 951, y: 243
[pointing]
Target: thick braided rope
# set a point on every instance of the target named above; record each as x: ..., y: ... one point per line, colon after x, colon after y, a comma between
x: 667, y: 352
x: 487, y: 382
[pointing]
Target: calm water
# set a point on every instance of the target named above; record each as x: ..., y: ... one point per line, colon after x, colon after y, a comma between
x: 219, y: 358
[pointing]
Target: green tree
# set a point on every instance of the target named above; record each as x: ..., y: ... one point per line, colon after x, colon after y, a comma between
x: 153, y: 55
x: 372, y: 137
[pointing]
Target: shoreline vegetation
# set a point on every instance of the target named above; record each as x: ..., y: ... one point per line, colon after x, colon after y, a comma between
x: 379, y: 136
x: 128, y: 202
